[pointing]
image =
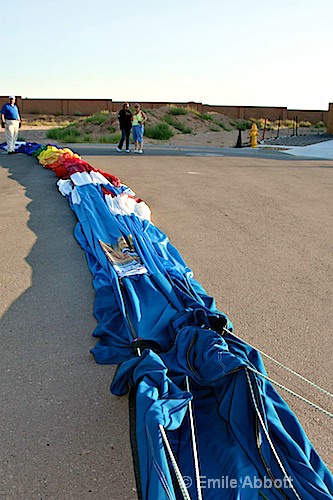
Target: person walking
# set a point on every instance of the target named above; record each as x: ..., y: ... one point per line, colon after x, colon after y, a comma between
x: 125, y: 122
x: 139, y: 118
x: 11, y: 122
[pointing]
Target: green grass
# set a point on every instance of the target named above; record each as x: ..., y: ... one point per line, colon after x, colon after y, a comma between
x: 72, y: 134
x: 86, y: 137
x: 224, y: 126
x: 109, y: 138
x: 211, y: 118
x: 177, y: 111
x: 98, y: 118
x: 170, y: 120
x: 67, y: 134
x: 161, y: 131
x: 203, y: 116
x: 214, y: 128
x: 206, y: 116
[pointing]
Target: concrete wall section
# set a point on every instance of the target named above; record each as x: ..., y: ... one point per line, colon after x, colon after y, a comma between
x: 245, y: 112
x: 117, y: 105
x: 232, y: 111
x: 65, y: 106
x: 41, y: 106
x: 307, y: 115
x: 91, y: 106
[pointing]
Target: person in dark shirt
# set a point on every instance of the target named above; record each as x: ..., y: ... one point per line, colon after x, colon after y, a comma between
x: 11, y: 122
x: 125, y: 122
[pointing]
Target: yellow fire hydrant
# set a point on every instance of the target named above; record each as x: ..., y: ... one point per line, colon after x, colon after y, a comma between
x: 253, y: 135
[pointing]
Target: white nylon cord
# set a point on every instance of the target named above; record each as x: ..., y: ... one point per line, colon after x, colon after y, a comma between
x: 268, y: 437
x: 194, y: 443
x: 282, y: 365
x: 291, y: 392
x: 179, y: 476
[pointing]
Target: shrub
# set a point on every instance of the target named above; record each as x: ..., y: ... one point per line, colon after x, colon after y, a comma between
x: 288, y: 123
x: 177, y: 124
x: 98, y: 118
x: 243, y: 124
x: 111, y: 129
x: 305, y: 124
x: 320, y: 125
x: 177, y: 111
x: 224, y: 126
x: 214, y: 128
x: 160, y: 131
x: 206, y: 116
x: 185, y: 130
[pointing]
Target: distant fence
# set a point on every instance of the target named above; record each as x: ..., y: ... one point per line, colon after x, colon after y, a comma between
x: 292, y: 130
x: 90, y: 106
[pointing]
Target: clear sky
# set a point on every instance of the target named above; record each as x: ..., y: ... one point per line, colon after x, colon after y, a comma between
x: 232, y: 52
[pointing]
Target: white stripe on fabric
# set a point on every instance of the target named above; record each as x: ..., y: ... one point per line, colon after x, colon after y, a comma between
x: 76, y: 198
x: 139, y: 209
x: 65, y: 186
x: 113, y: 205
x: 99, y: 178
x: 125, y: 205
x: 81, y: 178
x: 143, y: 211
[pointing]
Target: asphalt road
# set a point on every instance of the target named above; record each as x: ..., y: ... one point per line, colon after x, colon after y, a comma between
x: 257, y: 233
x: 273, y: 152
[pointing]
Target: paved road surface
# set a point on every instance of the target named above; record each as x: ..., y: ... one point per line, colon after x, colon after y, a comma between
x: 269, y: 152
x: 257, y: 233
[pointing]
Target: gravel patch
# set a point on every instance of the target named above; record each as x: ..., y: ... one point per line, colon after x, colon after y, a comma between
x: 302, y: 140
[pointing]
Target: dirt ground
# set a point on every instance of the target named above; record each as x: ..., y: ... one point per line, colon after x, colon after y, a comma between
x: 204, y: 132
x: 223, y: 138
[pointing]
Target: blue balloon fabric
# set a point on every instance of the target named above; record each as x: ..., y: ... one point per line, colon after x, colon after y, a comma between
x: 175, y: 347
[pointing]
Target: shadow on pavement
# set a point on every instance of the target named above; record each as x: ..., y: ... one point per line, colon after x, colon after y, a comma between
x: 61, y: 426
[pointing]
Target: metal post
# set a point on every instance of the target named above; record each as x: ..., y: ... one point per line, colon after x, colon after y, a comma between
x: 263, y: 133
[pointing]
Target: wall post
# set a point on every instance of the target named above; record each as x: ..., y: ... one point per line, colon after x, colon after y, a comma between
x: 330, y: 119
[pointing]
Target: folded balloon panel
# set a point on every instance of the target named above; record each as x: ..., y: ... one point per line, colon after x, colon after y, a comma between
x: 206, y: 423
